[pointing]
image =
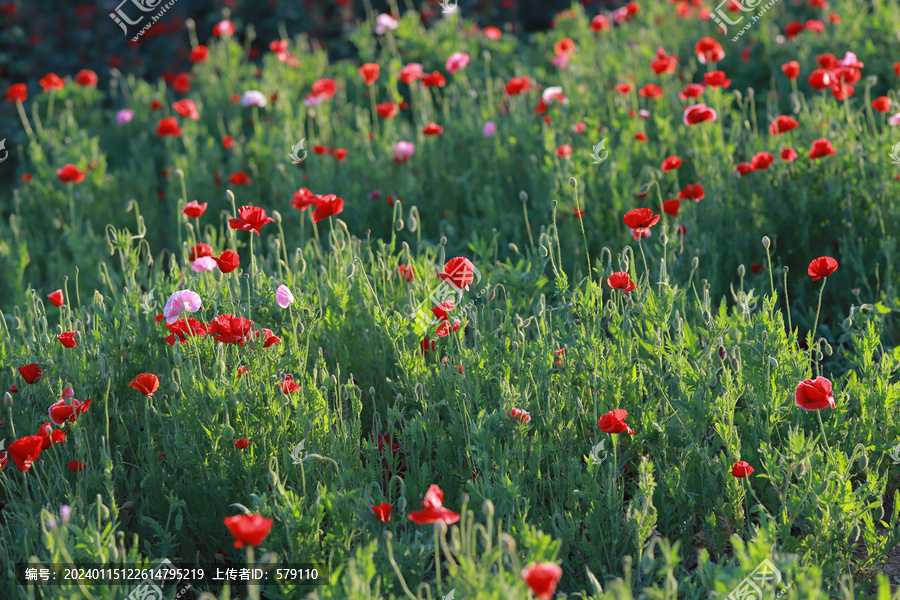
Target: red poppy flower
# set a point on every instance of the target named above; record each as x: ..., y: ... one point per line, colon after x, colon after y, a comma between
x: 288, y: 386
x: 671, y: 207
x: 182, y: 330
x: 663, y: 63
x: 614, y: 422
x: 425, y: 345
x: 821, y: 267
x: 145, y: 383
x: 31, y: 373
x: 833, y: 18
x: 433, y: 129
x: 341, y: 153
x: 708, y: 50
x: 815, y: 26
x: 788, y: 154
x: 542, y: 579
x: 564, y: 151
x: 821, y: 79
x: 518, y: 414
x: 270, y: 338
x: 24, y: 451
x: 641, y: 219
x: 782, y: 124
x: 882, y: 104
x: 600, y: 23
x: 821, y: 147
x: 743, y: 168
x: 671, y: 163
x: 193, y: 210
x: 698, y: 113
x: 51, y: 81
x: 641, y: 137
x: 693, y: 192
x: 249, y: 530
x: 624, y: 88
x: 814, y: 394
x: 621, y: 280
x: 327, y: 206
x: 50, y: 436
x: 742, y: 469
x: 155, y: 105
x: 229, y: 329
x: 182, y: 83
x: 326, y: 88
x: 517, y: 85
x: 199, y: 54
x: 406, y: 272
x: 228, y: 261
x: 691, y: 90
x: 17, y: 92
x: 827, y: 61
x: 67, y: 339
x: 186, y: 108
x: 383, y: 512
x: 242, y: 443
x: 303, y: 199
x: 579, y: 214
x: 434, y: 509
x: 56, y: 298
x: 716, y: 79
x: 761, y: 161
x: 492, y: 33
x: 86, y: 78
x: 563, y: 47
x: 756, y: 268
x: 168, y: 126
x: 239, y: 178
x: 76, y: 466
x: 224, y: 27
x: 369, y: 73
x: 388, y: 110
x: 62, y: 412
x: 793, y: 29
x: 253, y: 218
x: 651, y: 90
x: 791, y: 69
x: 434, y: 79
x: 459, y: 272
x: 70, y: 173
x: 242, y: 370
x: 199, y: 251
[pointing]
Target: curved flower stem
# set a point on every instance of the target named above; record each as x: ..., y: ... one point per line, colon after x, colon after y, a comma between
x: 390, y: 551
x: 643, y: 256
x: 818, y: 309
x: 437, y: 559
x: 822, y: 427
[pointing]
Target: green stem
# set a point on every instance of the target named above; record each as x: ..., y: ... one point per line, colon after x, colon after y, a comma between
x: 818, y: 309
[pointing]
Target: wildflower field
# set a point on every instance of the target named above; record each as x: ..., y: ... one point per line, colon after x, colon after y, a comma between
x: 604, y: 311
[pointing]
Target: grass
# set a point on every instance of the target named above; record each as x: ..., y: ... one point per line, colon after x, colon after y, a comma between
x: 705, y: 353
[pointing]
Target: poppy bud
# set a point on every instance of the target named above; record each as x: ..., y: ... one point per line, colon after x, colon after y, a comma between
x: 398, y: 224
x: 333, y: 380
x: 399, y: 398
x: 864, y: 461
x: 443, y: 240
x: 372, y: 390
x: 764, y: 335
x: 741, y: 270
x: 488, y: 508
x: 722, y: 353
x: 179, y: 173
x: 847, y: 324
x: 227, y: 433
x: 542, y: 250
x: 273, y: 479
x: 828, y: 349
x: 854, y: 533
x: 766, y: 242
x: 664, y: 239
x: 573, y: 182
x: 411, y: 223
x: 513, y: 248
x: 514, y: 346
x: 189, y: 23
x: 879, y: 513
x: 773, y: 362
x: 706, y: 316
x: 7, y: 400
x: 229, y: 196
x: 735, y: 365
x: 819, y: 355
x: 523, y: 196
x: 522, y: 337
x: 695, y: 262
